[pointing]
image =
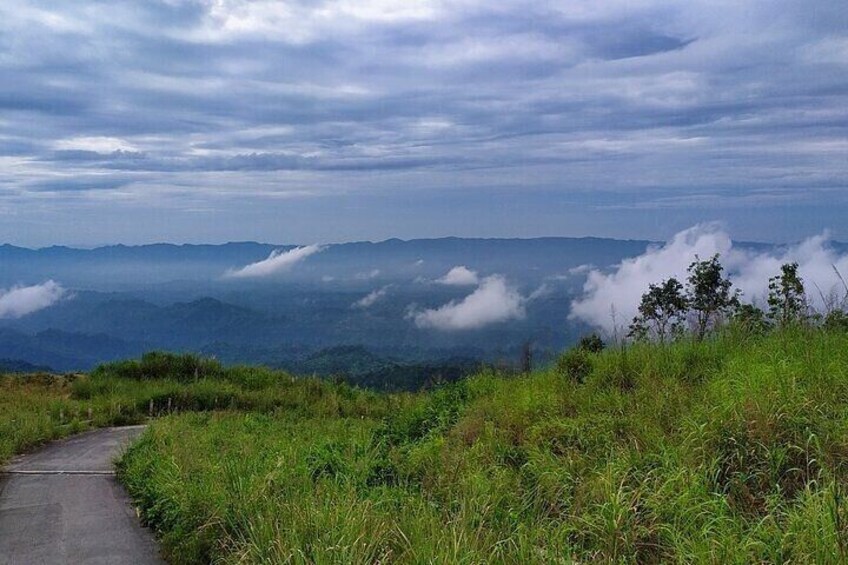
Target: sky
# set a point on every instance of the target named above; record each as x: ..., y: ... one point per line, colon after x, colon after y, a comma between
x: 322, y: 121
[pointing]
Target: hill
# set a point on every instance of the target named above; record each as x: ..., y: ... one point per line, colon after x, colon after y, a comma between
x: 358, y: 366
x: 130, y: 299
x: 123, y: 300
x: 727, y: 450
x: 62, y: 350
x: 18, y: 366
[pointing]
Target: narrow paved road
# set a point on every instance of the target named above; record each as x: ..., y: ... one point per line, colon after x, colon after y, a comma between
x: 63, y: 505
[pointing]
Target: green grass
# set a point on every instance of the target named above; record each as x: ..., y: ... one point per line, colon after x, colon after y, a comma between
x: 38, y: 408
x: 732, y: 450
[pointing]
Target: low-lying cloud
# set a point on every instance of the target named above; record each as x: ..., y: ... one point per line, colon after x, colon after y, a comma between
x: 494, y: 301
x: 610, y: 299
x: 19, y: 301
x: 371, y: 298
x: 277, y: 261
x: 372, y: 274
x: 460, y: 276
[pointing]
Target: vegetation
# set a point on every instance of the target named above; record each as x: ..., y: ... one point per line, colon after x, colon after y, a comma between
x: 787, y: 298
x: 357, y: 366
x: 30, y: 412
x: 40, y: 407
x: 728, y: 449
x: 18, y: 366
x: 704, y: 304
x: 710, y: 297
x: 662, y: 312
x: 724, y: 443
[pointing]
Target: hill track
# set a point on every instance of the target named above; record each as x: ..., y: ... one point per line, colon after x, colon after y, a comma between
x: 63, y: 505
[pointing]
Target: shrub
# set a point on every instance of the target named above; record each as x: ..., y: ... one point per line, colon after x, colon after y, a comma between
x: 153, y: 365
x: 836, y: 320
x: 576, y: 364
x: 751, y: 319
x: 591, y: 343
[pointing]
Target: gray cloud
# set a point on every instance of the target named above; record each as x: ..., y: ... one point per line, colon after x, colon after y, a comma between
x: 652, y: 101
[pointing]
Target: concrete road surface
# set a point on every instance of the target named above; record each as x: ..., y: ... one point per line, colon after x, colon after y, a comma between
x: 63, y: 505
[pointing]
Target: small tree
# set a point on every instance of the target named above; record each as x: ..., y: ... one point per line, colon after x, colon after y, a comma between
x: 661, y: 312
x: 591, y: 343
x: 787, y: 299
x: 709, y: 294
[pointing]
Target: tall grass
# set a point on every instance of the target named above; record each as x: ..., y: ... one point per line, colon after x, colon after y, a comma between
x: 733, y: 449
x: 38, y: 408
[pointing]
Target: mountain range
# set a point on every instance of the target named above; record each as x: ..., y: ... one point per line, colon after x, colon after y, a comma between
x: 120, y: 301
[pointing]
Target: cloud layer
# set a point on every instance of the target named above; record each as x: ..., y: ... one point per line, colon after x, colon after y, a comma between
x: 19, y: 301
x: 270, y: 113
x: 494, y: 301
x: 278, y: 261
x: 611, y: 299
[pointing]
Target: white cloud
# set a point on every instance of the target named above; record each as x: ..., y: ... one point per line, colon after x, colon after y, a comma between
x: 541, y: 292
x: 493, y: 302
x: 460, y: 276
x: 621, y: 290
x: 276, y: 262
x: 19, y: 301
x: 305, y: 22
x: 580, y: 269
x: 370, y: 299
x: 382, y: 10
x: 99, y: 144
x: 817, y: 262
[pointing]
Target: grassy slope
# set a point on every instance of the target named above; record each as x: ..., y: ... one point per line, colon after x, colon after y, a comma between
x: 38, y: 408
x: 732, y: 450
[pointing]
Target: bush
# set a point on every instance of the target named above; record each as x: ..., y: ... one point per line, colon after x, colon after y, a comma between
x: 836, y: 320
x: 591, y: 343
x: 751, y: 319
x: 576, y: 364
x: 184, y: 367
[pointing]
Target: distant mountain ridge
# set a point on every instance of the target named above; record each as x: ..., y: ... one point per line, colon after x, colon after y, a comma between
x: 124, y: 300
x: 62, y: 350
x: 8, y: 366
x: 119, y: 267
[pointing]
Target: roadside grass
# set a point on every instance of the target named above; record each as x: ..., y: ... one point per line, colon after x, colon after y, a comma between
x: 39, y: 408
x: 734, y: 449
x: 42, y: 407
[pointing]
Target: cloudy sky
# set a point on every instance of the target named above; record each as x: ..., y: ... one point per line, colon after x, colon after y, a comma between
x: 297, y: 121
